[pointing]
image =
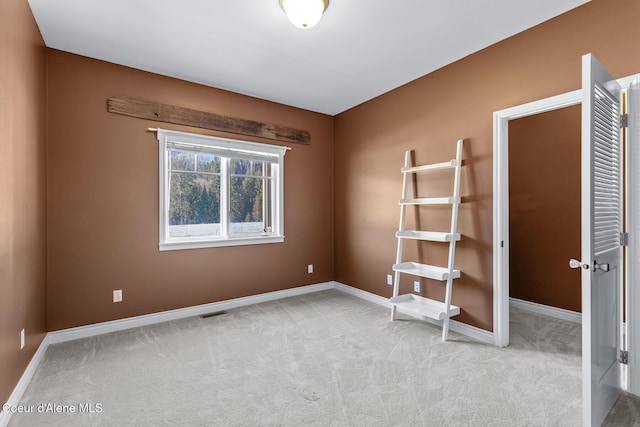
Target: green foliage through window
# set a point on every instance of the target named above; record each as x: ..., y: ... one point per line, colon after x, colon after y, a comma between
x: 195, y: 194
x: 194, y: 188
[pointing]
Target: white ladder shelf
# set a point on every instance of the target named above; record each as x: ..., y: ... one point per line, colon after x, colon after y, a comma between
x: 416, y: 304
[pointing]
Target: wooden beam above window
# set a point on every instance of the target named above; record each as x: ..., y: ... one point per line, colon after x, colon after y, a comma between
x: 200, y: 119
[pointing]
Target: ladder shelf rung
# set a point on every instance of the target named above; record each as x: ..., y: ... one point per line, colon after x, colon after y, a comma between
x: 431, y: 236
x: 425, y: 270
x: 430, y: 201
x: 434, y: 166
x: 421, y: 306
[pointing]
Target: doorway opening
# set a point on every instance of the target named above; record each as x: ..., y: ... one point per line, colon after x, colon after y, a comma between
x: 502, y: 240
x: 501, y: 232
x: 544, y: 213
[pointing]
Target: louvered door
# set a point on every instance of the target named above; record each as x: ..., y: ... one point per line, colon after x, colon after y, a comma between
x: 601, y: 249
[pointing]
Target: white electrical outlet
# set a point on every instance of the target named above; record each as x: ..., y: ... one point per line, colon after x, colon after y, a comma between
x: 117, y: 295
x: 22, y: 339
x: 416, y: 286
x: 310, y: 268
x: 389, y: 279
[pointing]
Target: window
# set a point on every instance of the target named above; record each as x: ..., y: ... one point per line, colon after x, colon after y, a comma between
x: 218, y: 191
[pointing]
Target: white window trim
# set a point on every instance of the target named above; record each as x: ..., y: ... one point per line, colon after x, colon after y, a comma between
x: 232, y: 145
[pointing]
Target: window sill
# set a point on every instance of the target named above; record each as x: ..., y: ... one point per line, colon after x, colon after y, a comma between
x: 237, y: 241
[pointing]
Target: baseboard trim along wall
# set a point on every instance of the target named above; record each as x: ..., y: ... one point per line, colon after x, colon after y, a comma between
x: 461, y: 328
x: 25, y: 379
x: 534, y: 307
x: 180, y: 313
x: 71, y: 334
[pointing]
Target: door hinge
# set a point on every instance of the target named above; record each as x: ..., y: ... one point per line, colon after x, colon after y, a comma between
x: 624, y: 357
x: 624, y: 119
x: 624, y: 239
x: 502, y: 243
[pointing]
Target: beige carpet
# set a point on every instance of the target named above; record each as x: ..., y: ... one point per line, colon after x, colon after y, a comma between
x: 326, y: 359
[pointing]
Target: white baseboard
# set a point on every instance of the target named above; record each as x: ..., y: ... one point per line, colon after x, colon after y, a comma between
x: 374, y: 298
x: 461, y: 328
x: 180, y: 313
x: 25, y: 379
x: 70, y: 334
x: 546, y: 310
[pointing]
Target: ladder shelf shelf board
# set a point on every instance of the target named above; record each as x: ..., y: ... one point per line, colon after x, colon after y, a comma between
x: 439, y: 310
x: 425, y: 270
x: 430, y: 201
x: 424, y: 306
x: 444, y: 165
x: 431, y: 236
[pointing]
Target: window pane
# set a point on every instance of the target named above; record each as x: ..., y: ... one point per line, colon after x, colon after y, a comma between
x: 194, y: 205
x: 257, y: 168
x: 246, y: 205
x: 240, y: 167
x: 181, y: 160
x: 248, y: 167
x: 208, y: 163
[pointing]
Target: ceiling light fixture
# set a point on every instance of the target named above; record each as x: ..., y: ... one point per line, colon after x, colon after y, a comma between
x: 304, y: 13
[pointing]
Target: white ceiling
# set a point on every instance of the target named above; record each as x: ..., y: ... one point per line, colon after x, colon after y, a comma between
x: 360, y: 49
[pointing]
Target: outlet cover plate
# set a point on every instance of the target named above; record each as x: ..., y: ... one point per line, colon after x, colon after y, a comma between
x: 310, y: 268
x: 117, y: 295
x: 22, y: 339
x: 389, y: 279
x: 416, y: 286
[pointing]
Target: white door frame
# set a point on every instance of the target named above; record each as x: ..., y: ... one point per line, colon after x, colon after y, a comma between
x: 501, y: 225
x: 633, y: 250
x: 501, y: 202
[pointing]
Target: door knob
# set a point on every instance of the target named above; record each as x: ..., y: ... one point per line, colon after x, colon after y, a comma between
x: 574, y: 263
x: 603, y: 267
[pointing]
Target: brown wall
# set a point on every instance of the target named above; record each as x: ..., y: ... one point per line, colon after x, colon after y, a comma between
x: 103, y: 201
x: 22, y: 190
x: 544, y: 207
x: 429, y: 114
